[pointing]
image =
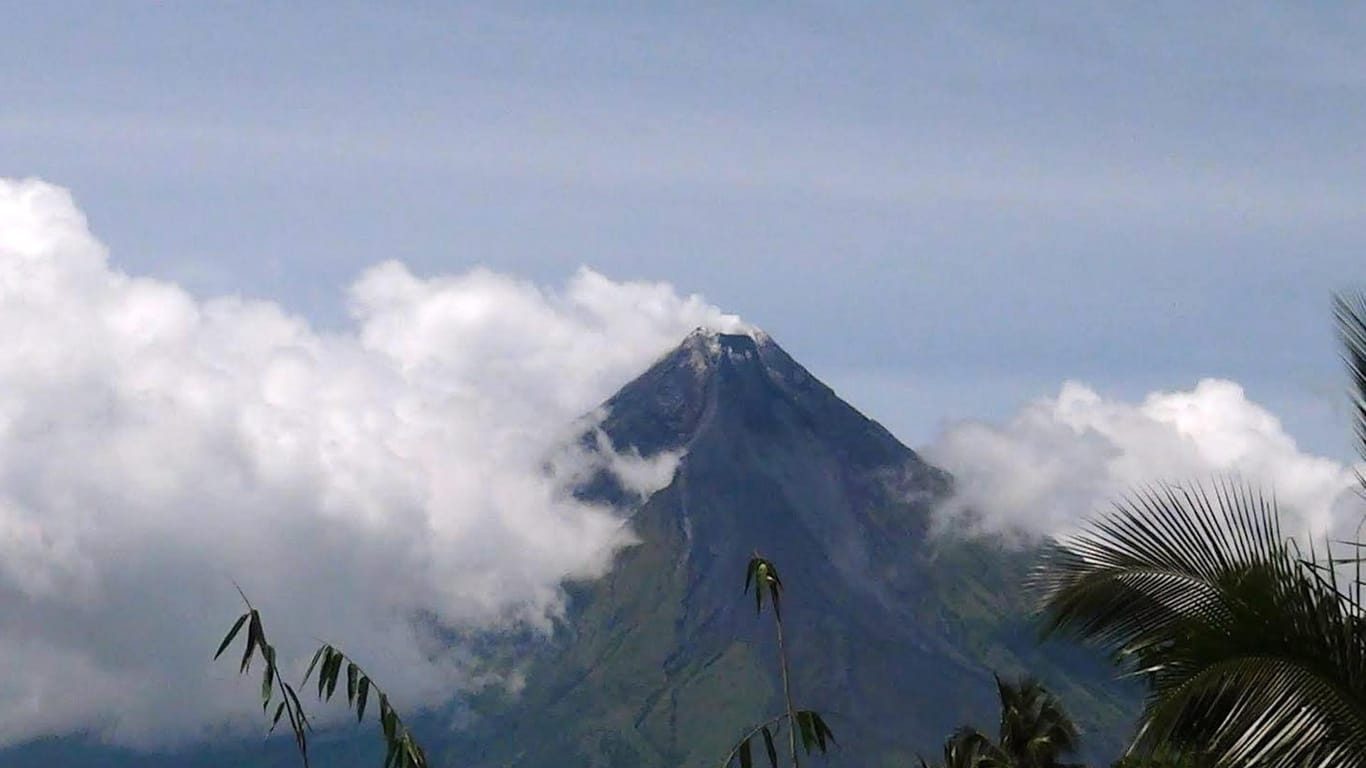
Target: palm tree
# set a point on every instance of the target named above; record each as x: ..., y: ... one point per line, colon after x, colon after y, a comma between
x: 968, y: 748
x: 1034, y: 732
x: 1253, y: 651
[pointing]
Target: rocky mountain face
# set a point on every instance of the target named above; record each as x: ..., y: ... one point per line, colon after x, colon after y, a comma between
x: 893, y: 631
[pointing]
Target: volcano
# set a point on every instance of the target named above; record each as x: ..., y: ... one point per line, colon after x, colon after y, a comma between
x: 893, y: 630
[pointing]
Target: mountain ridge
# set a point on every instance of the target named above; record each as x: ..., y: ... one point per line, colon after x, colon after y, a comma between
x: 774, y: 460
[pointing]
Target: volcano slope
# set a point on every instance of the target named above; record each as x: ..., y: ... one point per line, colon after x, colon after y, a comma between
x: 893, y: 631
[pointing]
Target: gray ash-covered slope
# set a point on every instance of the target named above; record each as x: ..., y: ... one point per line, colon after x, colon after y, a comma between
x: 893, y: 631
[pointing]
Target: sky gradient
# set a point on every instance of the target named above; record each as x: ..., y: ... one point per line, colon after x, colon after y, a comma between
x: 944, y: 211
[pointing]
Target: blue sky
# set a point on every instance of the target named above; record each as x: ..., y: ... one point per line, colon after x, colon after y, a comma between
x: 943, y: 210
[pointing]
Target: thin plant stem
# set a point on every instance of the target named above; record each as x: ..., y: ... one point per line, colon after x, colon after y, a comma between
x: 787, y: 692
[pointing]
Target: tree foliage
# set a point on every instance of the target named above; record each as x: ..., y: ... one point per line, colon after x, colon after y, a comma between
x: 255, y: 645
x: 1034, y: 732
x: 402, y: 749
x: 1253, y: 650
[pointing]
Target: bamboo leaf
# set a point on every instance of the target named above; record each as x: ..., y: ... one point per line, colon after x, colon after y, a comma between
x: 770, y: 748
x: 806, y: 730
x: 254, y: 636
x: 333, y: 669
x: 227, y: 639
x: 823, y: 730
x: 362, y: 696
x: 322, y: 650
x: 267, y: 676
x: 322, y: 670
x: 386, y: 717
x: 818, y: 725
x: 297, y: 707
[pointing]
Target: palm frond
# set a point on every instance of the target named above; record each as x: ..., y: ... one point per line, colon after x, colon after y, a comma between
x: 1133, y: 578
x: 1350, y: 314
x: 1247, y: 649
x: 970, y: 748
x: 1258, y: 710
x: 1034, y: 730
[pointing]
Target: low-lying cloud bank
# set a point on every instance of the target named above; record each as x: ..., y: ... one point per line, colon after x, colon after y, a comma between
x: 155, y: 446
x: 1065, y: 459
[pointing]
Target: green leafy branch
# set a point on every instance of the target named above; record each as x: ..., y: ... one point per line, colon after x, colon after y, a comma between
x: 271, y: 679
x: 809, y: 725
x: 403, y: 751
x: 815, y: 735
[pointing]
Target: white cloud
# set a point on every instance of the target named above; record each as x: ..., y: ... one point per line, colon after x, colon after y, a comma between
x: 1066, y: 459
x: 155, y: 446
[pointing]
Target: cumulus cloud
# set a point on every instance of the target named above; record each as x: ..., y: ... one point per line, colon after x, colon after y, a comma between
x: 155, y: 446
x: 1065, y: 459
